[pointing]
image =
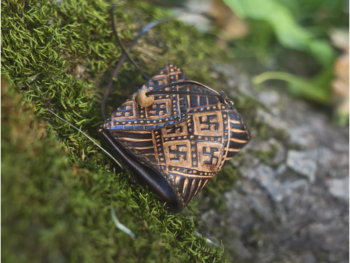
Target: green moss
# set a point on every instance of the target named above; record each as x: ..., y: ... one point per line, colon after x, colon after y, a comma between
x: 56, y: 207
x: 57, y: 197
x: 44, y: 45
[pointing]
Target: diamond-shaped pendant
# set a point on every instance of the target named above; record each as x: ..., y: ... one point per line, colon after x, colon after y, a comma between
x: 181, y: 140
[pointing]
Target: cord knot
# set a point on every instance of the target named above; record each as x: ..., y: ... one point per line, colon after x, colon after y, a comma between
x: 223, y: 97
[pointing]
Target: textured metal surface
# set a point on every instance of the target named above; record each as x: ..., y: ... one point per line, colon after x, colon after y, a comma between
x: 185, y: 138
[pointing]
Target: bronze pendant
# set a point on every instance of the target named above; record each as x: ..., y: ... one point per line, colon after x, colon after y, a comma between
x: 179, y: 142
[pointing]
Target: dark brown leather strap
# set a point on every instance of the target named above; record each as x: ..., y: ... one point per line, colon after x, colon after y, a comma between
x: 168, y: 196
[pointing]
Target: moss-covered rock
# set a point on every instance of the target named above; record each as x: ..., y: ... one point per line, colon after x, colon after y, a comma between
x: 57, y: 188
x: 55, y: 207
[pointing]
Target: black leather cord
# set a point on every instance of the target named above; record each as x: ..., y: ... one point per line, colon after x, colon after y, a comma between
x: 222, y: 96
x: 115, y: 31
x: 126, y: 55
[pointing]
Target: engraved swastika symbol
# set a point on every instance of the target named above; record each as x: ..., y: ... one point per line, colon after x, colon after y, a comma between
x: 125, y: 110
x: 209, y: 156
x: 158, y: 109
x: 174, y: 130
x: 212, y: 160
x: 209, y: 123
x: 178, y: 152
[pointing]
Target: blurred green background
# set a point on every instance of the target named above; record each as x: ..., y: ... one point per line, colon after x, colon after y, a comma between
x: 301, y: 42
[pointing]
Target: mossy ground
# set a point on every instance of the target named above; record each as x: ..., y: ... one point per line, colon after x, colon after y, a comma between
x: 57, y: 208
x: 57, y: 187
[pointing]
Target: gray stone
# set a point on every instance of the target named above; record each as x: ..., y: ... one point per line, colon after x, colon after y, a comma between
x: 291, y: 186
x: 340, y: 160
x: 302, y: 137
x: 308, y: 257
x: 291, y: 207
x: 325, y: 157
x: 341, y: 147
x: 280, y: 155
x: 265, y: 175
x: 339, y: 173
x: 332, y: 232
x: 273, y: 121
x: 265, y: 147
x: 303, y: 163
x: 250, y: 160
x: 210, y: 216
x: 281, y: 169
x: 268, y: 97
x: 275, y: 111
x: 339, y: 188
x: 240, y: 249
x: 237, y: 202
x: 260, y: 206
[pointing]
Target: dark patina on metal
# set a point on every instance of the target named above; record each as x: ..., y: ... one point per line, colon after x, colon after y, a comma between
x: 181, y: 141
